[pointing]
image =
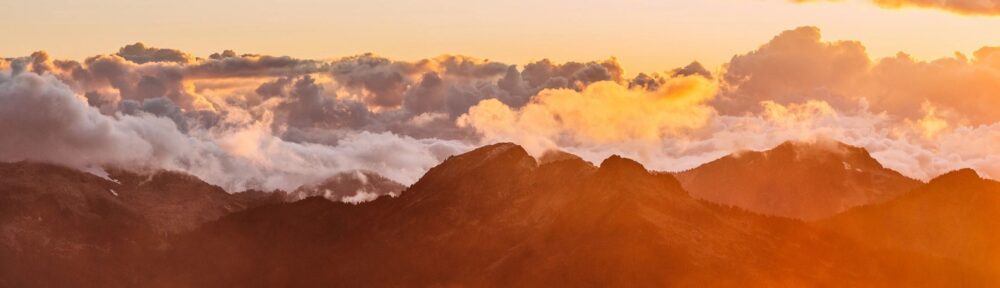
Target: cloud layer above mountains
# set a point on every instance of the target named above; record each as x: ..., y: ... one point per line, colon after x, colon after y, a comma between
x: 247, y: 121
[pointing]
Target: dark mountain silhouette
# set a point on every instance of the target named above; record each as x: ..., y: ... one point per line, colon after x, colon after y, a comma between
x: 353, y: 186
x: 492, y: 217
x: 955, y: 216
x: 805, y: 180
x: 176, y: 202
x: 63, y: 227
x: 495, y: 217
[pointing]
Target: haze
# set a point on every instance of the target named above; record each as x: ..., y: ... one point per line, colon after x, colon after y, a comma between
x: 646, y: 36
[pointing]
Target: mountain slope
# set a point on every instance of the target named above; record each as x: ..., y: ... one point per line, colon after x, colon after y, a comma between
x: 495, y: 217
x: 63, y: 227
x: 805, y: 180
x: 954, y: 216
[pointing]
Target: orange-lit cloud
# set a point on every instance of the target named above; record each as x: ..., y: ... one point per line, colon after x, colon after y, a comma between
x: 261, y: 121
x: 984, y: 7
x: 971, y: 7
x: 797, y: 65
x: 603, y: 113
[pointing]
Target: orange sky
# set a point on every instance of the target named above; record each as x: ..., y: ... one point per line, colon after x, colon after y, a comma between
x: 644, y: 35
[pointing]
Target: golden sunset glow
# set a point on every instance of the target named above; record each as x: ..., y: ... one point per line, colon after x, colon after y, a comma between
x: 635, y: 143
x: 647, y: 36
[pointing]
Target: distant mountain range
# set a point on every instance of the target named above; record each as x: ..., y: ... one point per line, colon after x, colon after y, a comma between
x: 805, y: 180
x: 802, y: 214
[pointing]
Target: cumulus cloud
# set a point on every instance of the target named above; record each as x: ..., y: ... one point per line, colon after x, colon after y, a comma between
x: 246, y: 121
x: 794, y: 66
x: 910, y: 147
x: 908, y: 113
x: 138, y: 72
x: 604, y: 113
x: 972, y: 7
x: 797, y: 66
x: 43, y: 120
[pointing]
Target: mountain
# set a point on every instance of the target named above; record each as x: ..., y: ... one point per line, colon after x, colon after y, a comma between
x: 175, y: 202
x: 495, y: 217
x: 492, y: 217
x: 65, y: 227
x: 59, y: 224
x: 804, y: 180
x: 954, y: 216
x: 353, y: 187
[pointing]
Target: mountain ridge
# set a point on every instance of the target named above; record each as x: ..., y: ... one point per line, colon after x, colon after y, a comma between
x: 496, y: 216
x: 805, y: 180
x: 559, y: 223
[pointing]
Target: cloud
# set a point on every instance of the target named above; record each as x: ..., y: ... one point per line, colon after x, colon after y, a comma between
x: 967, y: 88
x: 275, y: 122
x: 363, y: 92
x: 797, y: 66
x: 603, y: 113
x: 654, y: 80
x: 435, y: 85
x: 252, y: 65
x: 140, y: 53
x: 975, y: 7
x: 160, y: 107
x: 970, y: 7
x: 921, y: 149
x: 794, y: 66
x: 910, y: 114
x: 41, y: 119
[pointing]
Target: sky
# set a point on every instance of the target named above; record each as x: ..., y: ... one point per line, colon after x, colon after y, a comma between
x: 277, y: 94
x: 646, y: 36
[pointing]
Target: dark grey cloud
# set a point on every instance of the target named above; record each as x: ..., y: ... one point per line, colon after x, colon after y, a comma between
x: 385, y: 80
x: 308, y: 107
x: 140, y: 53
x: 228, y: 64
x: 160, y: 107
x: 695, y: 68
x: 546, y: 74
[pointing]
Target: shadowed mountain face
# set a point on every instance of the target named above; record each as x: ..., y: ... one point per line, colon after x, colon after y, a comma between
x: 955, y: 216
x: 62, y: 227
x: 797, y: 179
x: 493, y: 217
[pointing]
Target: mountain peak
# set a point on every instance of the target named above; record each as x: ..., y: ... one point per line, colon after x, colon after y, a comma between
x: 963, y: 175
x: 499, y: 158
x: 822, y: 146
x: 556, y: 156
x: 800, y: 179
x: 621, y: 164
x: 491, y: 152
